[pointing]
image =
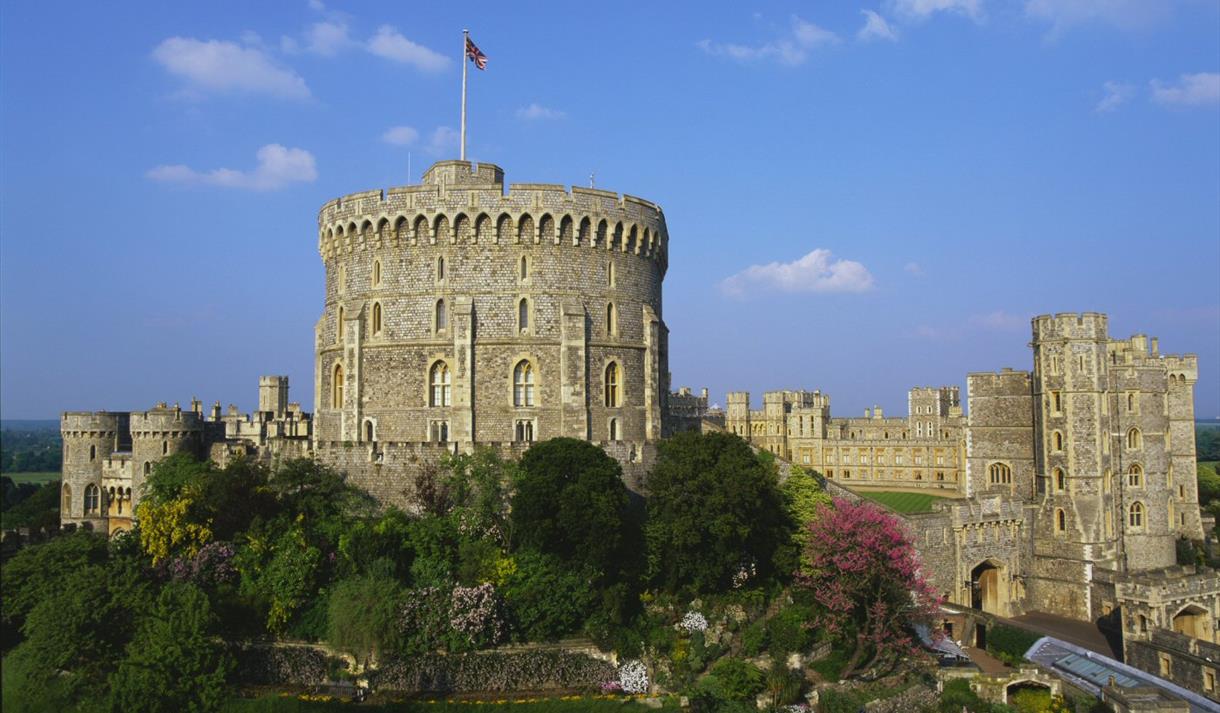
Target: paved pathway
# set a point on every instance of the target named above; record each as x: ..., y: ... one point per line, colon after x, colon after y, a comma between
x: 987, y: 663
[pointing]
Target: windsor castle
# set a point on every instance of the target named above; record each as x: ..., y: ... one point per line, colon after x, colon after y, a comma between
x: 457, y: 314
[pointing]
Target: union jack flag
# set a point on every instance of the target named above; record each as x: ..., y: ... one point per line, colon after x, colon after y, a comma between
x: 476, y: 55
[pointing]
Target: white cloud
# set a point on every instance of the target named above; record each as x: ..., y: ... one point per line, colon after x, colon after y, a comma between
x: 327, y: 38
x: 1117, y: 94
x: 400, y: 136
x: 442, y: 140
x: 1123, y: 14
x: 791, y: 49
x: 999, y: 320
x: 277, y: 167
x: 914, y: 268
x: 923, y: 9
x: 876, y: 28
x: 1200, y: 89
x: 535, y: 112
x: 317, y: 5
x: 388, y: 43
x: 215, y: 66
x: 815, y: 272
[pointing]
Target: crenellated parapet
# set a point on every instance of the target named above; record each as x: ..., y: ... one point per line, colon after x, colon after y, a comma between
x: 460, y: 203
x: 1070, y: 325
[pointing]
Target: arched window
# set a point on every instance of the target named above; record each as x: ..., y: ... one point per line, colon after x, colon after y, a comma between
x: 1060, y: 479
x: 93, y: 499
x: 1000, y: 473
x: 339, y: 326
x: 611, y: 319
x: 611, y: 382
x: 523, y: 384
x: 1134, y: 439
x: 92, y: 453
x: 614, y: 429
x: 1057, y: 441
x: 376, y: 318
x: 1135, y: 516
x: 376, y: 273
x: 525, y: 267
x: 1135, y: 476
x: 368, y: 432
x: 164, y: 448
x: 65, y: 505
x: 1060, y: 520
x: 523, y: 314
x: 441, y: 383
x: 1131, y: 402
x: 147, y: 468
x: 336, y: 387
x: 610, y: 273
x: 440, y: 268
x: 442, y: 316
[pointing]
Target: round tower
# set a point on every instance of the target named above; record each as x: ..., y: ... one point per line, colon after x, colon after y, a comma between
x: 159, y: 432
x: 89, y: 438
x: 457, y: 312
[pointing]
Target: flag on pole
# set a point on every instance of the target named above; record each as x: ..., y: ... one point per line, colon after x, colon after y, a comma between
x: 476, y: 55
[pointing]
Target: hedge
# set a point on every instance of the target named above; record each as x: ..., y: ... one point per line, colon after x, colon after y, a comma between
x: 494, y: 671
x: 1009, y: 643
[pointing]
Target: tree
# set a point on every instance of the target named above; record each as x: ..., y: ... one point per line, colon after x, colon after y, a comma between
x: 36, y: 573
x: 715, y: 512
x: 282, y: 572
x: 173, y: 662
x: 864, y: 573
x: 571, y: 503
x: 545, y: 598
x: 363, y: 616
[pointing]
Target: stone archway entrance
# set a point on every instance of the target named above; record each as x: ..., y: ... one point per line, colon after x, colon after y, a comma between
x: 1193, y: 621
x: 987, y: 588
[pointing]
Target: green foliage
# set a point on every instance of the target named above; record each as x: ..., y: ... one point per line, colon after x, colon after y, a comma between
x: 282, y: 573
x: 737, y: 679
x: 830, y: 667
x: 37, y: 572
x: 714, y: 510
x: 754, y: 638
x: 363, y: 616
x: 277, y: 704
x: 1009, y: 643
x: 381, y: 543
x: 788, y: 631
x: 28, y: 505
x: 1028, y: 700
x: 570, y: 502
x: 477, y: 486
x: 1209, y: 481
x: 173, y: 663
x: 25, y: 450
x: 546, y: 599
x: 1207, y: 442
x: 803, y: 495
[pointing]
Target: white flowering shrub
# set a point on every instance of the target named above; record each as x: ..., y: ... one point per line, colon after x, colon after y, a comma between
x: 694, y: 621
x: 633, y: 676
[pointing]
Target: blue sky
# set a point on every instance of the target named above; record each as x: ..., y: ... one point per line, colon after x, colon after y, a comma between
x: 860, y: 198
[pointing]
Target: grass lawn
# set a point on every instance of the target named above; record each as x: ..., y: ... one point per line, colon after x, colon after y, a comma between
x: 37, y: 478
x: 276, y: 704
x: 904, y: 502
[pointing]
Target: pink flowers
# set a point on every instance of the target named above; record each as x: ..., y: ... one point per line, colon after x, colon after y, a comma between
x: 865, y: 573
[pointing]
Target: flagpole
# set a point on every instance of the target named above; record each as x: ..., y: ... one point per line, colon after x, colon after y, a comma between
x: 465, y: 39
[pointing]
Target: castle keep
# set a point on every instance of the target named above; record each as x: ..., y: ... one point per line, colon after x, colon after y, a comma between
x: 459, y: 313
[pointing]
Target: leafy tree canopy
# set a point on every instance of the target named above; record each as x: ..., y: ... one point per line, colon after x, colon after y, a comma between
x: 715, y: 512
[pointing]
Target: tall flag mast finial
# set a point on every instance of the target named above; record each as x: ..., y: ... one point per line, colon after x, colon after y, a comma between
x: 474, y: 54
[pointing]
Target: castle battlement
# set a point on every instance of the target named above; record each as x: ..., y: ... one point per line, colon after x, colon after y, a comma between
x: 1008, y: 382
x: 448, y: 209
x: 1070, y: 325
x: 94, y: 422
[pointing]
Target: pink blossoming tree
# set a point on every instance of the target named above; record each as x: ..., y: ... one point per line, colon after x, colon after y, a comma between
x: 864, y: 572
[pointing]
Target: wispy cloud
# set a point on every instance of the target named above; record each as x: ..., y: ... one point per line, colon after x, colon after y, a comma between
x: 876, y: 28
x: 1116, y: 94
x: 441, y: 140
x: 999, y: 320
x: 791, y: 49
x: 327, y: 38
x: 537, y: 112
x: 390, y: 44
x: 815, y: 272
x: 923, y: 9
x: 219, y: 67
x: 277, y: 167
x: 1202, y: 89
x: 914, y: 268
x: 400, y: 136
x: 1122, y: 14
